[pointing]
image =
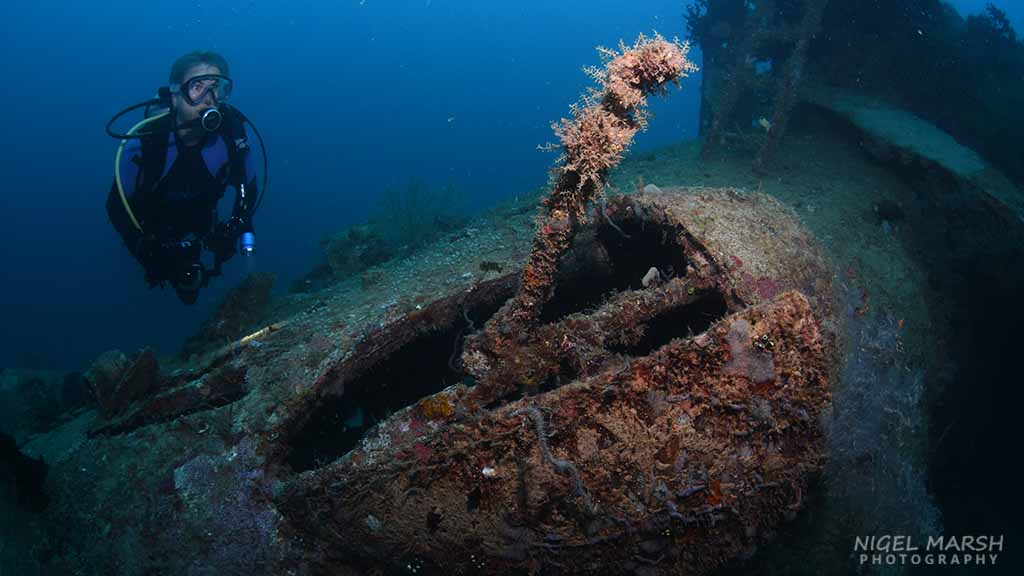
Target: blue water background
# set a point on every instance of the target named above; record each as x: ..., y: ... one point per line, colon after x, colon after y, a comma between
x: 351, y: 96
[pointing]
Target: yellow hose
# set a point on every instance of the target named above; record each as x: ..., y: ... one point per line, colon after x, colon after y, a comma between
x: 117, y: 168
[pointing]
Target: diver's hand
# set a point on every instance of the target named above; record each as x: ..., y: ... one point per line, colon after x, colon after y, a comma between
x: 152, y: 254
x: 223, y: 239
x: 146, y: 249
x: 164, y: 261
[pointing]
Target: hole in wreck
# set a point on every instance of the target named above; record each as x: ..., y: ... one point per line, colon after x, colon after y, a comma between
x: 679, y: 322
x: 427, y: 364
x: 603, y: 260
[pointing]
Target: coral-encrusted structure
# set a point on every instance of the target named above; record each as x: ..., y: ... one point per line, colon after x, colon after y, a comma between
x: 691, y: 455
x: 592, y: 143
x: 676, y: 425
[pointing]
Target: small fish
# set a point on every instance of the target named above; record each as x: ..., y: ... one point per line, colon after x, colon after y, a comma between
x: 764, y: 123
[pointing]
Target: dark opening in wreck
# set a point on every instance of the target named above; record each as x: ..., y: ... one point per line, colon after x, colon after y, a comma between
x: 336, y: 425
x: 679, y: 322
x: 616, y: 256
x: 613, y: 257
x: 426, y: 363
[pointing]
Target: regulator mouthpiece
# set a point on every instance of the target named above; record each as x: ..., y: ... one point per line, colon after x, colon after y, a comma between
x: 212, y: 120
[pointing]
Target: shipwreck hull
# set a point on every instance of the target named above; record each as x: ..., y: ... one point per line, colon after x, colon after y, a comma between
x: 692, y: 455
x: 664, y: 421
x: 670, y: 425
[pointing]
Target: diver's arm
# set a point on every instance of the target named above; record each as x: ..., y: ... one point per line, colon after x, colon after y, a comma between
x: 145, y: 247
x: 244, y: 208
x: 224, y: 240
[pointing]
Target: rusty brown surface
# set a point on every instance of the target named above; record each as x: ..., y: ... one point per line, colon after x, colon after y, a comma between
x: 576, y: 450
x: 743, y: 248
x: 686, y: 458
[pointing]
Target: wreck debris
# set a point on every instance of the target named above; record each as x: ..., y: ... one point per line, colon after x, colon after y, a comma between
x: 139, y: 395
x: 679, y: 422
x: 642, y: 424
x: 669, y: 227
x: 899, y: 137
x: 593, y: 142
x: 118, y: 382
x: 614, y: 466
x: 640, y: 440
x: 176, y: 398
x: 753, y: 58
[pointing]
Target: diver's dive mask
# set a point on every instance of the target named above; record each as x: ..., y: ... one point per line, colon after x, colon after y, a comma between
x: 199, y: 89
x: 196, y: 89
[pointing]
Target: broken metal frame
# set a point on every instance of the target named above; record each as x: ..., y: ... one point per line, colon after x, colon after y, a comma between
x: 737, y: 76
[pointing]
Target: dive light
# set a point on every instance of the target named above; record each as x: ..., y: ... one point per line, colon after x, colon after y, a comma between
x: 248, y: 243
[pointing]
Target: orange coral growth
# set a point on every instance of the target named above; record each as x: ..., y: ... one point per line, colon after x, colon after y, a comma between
x: 645, y: 68
x: 603, y: 128
x: 437, y: 407
x: 594, y: 141
x: 715, y: 492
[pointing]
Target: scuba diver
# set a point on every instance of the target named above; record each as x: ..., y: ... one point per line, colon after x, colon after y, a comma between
x: 172, y: 169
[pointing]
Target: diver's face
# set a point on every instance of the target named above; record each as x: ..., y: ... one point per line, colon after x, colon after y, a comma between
x: 187, y: 112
